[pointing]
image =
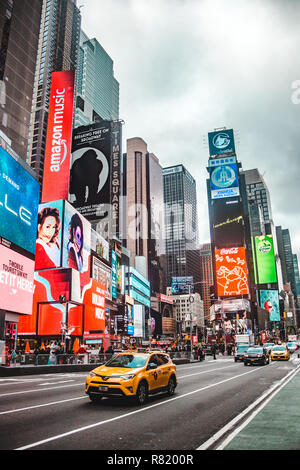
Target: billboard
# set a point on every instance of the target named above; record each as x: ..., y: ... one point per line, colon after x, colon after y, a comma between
x: 231, y: 271
x: 19, y: 200
x: 90, y: 176
x: 59, y: 137
x: 102, y: 273
x: 269, y: 300
x: 114, y: 274
x: 63, y: 239
x: 224, y: 181
x: 94, y: 307
x: 76, y: 241
x: 139, y: 320
x: 99, y: 245
x: 181, y: 285
x: 49, y: 235
x: 221, y: 142
x: 16, y: 281
x: 265, y: 259
x: 227, y: 223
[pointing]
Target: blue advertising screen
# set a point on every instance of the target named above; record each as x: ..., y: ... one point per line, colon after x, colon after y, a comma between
x: 180, y: 285
x: 221, y: 142
x: 19, y: 202
x: 269, y: 300
x: 224, y: 181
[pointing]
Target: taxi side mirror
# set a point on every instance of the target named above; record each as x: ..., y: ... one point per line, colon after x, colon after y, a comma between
x: 152, y: 365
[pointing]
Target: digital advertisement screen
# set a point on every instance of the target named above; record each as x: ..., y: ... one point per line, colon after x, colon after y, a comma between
x: 139, y: 320
x: 94, y: 307
x: 16, y: 281
x: 59, y: 137
x: 76, y: 241
x: 181, y: 285
x: 231, y: 271
x: 90, y: 176
x: 224, y: 181
x: 269, y: 300
x: 114, y: 274
x: 19, y: 201
x: 221, y: 142
x: 102, y: 273
x: 99, y: 245
x: 49, y: 235
x: 227, y: 223
x: 265, y: 259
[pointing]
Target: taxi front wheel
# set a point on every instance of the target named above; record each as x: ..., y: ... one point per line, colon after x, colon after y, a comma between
x: 171, y: 386
x: 142, y: 393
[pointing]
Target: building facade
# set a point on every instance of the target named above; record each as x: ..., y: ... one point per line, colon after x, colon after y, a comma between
x: 181, y: 224
x: 19, y: 36
x: 97, y: 88
x: 57, y: 51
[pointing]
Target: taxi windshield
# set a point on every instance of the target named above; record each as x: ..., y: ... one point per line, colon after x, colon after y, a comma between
x: 279, y: 348
x: 129, y: 361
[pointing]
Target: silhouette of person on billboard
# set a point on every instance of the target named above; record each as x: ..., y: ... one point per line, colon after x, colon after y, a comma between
x: 85, y: 173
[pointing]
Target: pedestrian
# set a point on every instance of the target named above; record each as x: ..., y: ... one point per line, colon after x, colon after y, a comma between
x: 13, y: 357
x: 213, y: 350
x: 229, y: 349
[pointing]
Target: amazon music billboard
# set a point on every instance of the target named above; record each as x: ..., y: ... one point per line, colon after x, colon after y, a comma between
x: 59, y: 137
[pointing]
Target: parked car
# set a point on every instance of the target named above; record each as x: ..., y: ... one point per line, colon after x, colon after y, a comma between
x: 256, y: 355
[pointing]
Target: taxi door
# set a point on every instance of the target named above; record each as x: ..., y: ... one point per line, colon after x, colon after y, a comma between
x: 155, y: 376
x: 164, y: 369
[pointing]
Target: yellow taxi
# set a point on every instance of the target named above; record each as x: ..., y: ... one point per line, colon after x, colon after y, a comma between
x: 132, y: 374
x: 279, y: 352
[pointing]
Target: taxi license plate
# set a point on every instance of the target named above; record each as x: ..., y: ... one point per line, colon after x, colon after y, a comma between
x: 102, y: 388
x: 252, y: 360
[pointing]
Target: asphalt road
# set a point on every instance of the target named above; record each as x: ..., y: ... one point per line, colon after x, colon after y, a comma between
x: 52, y: 412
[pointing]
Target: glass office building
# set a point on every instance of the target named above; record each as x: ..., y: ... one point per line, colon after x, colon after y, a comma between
x: 181, y: 224
x: 57, y: 51
x: 19, y: 36
x: 97, y: 88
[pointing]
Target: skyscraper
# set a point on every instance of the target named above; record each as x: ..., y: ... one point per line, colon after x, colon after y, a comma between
x: 97, y: 88
x: 19, y: 34
x: 181, y: 224
x: 207, y: 279
x: 286, y: 258
x: 144, y: 227
x: 57, y: 50
x: 258, y: 194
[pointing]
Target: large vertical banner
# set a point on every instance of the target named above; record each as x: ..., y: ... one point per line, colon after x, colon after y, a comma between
x: 265, y: 259
x: 59, y: 137
x: 116, y: 178
x: 221, y: 142
x: 90, y: 176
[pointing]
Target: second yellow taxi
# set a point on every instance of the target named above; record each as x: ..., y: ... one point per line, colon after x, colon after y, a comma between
x: 132, y: 374
x: 279, y: 352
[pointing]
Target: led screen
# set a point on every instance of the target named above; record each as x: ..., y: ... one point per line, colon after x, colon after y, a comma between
x: 265, y: 259
x: 227, y: 223
x: 49, y: 235
x: 181, y: 285
x: 16, y: 281
x: 59, y: 136
x: 224, y: 181
x: 221, y: 142
x: 231, y: 271
x: 269, y: 300
x: 19, y: 201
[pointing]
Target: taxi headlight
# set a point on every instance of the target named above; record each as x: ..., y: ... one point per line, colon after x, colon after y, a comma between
x: 127, y: 376
x: 92, y: 374
x: 246, y: 355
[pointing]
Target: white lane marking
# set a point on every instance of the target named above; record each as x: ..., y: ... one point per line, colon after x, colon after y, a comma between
x: 231, y: 424
x: 40, y: 406
x: 205, y: 372
x: 60, y: 382
x: 36, y: 390
x: 126, y: 415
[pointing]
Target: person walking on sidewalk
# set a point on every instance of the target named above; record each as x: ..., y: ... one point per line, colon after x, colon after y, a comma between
x: 214, y: 350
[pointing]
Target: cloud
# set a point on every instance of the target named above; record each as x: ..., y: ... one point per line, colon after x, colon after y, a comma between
x: 186, y: 67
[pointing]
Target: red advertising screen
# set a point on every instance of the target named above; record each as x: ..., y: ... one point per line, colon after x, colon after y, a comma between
x: 59, y: 137
x: 16, y: 281
x: 94, y: 307
x: 231, y: 269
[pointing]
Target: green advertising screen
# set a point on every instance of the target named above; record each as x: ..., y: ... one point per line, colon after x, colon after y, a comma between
x: 265, y: 259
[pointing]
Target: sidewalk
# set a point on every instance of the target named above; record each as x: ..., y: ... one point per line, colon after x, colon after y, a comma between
x: 276, y: 426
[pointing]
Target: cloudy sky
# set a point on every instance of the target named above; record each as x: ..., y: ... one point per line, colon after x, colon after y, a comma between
x: 186, y: 67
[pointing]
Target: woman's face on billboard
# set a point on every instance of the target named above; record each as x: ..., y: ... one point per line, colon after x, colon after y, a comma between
x: 48, y: 228
x: 77, y: 239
